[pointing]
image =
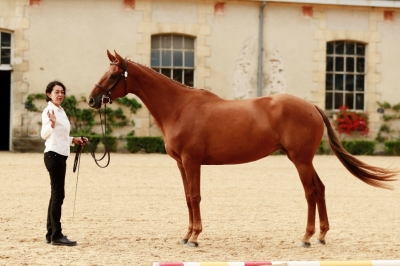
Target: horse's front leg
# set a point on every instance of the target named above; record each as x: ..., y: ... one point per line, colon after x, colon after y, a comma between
x: 193, y: 198
x: 185, y: 239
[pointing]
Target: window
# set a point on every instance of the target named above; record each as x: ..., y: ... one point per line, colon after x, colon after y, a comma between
x: 173, y: 56
x: 345, y: 75
x: 5, y: 47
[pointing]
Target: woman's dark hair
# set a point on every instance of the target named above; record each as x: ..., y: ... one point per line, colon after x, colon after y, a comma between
x: 51, y: 86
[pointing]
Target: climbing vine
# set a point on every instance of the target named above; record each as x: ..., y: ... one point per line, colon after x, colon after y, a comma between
x: 391, y: 115
x: 84, y: 119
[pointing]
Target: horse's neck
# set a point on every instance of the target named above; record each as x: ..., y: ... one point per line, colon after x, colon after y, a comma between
x: 162, y: 96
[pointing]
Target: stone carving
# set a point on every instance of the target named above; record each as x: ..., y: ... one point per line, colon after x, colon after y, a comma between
x: 246, y: 71
x: 275, y: 77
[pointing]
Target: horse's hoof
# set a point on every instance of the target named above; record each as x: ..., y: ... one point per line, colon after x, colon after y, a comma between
x: 183, y: 241
x: 305, y: 244
x: 192, y: 244
x: 321, y: 242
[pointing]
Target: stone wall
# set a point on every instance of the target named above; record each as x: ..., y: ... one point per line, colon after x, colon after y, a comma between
x: 67, y: 40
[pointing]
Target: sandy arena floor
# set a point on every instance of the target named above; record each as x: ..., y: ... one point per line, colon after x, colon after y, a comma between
x: 134, y: 213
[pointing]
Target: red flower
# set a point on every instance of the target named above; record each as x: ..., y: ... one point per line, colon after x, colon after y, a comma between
x: 348, y: 121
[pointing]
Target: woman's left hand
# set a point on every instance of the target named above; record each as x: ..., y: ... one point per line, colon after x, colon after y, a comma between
x: 81, y: 141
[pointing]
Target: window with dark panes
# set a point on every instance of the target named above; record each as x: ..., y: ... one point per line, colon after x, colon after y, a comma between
x: 5, y: 47
x: 345, y: 75
x: 173, y: 56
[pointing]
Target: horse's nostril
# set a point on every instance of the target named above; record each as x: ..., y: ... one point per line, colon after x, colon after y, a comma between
x: 91, y: 102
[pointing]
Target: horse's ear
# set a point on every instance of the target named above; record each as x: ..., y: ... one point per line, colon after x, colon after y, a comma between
x: 110, y: 56
x: 118, y: 57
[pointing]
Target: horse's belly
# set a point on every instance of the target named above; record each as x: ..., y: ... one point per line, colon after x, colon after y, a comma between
x: 239, y: 151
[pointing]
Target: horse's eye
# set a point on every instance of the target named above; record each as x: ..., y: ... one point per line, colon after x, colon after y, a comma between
x: 113, y: 76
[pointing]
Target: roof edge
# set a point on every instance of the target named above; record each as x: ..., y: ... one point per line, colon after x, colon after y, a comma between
x: 367, y: 3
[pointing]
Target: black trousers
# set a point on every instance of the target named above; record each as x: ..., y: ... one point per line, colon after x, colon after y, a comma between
x: 56, y: 165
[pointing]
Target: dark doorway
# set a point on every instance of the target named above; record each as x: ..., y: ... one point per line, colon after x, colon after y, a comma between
x: 5, y: 90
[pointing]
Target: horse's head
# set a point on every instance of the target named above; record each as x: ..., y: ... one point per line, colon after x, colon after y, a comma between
x: 112, y: 84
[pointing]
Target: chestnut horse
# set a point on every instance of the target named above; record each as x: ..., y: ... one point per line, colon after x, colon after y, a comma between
x: 200, y: 128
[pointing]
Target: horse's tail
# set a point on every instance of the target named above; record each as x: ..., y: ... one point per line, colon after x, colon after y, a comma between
x: 372, y: 175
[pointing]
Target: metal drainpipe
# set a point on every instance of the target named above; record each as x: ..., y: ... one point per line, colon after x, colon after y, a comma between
x: 260, y: 50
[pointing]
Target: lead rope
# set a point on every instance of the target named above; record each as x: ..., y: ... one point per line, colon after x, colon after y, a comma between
x: 79, y: 152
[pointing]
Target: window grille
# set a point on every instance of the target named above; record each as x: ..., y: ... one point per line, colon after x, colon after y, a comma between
x: 5, y: 48
x: 173, y: 56
x: 345, y: 75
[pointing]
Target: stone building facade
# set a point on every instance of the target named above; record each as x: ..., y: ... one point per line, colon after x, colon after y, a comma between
x: 242, y: 49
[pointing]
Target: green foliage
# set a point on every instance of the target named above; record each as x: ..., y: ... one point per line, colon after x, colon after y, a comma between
x: 385, y: 128
x: 359, y: 147
x: 322, y: 148
x: 29, y: 105
x: 379, y: 137
x: 392, y: 113
x: 390, y: 117
x: 131, y: 103
x: 384, y: 105
x: 396, y: 107
x: 146, y: 144
x: 115, y: 118
x: 392, y: 147
x: 111, y: 143
x: 84, y: 119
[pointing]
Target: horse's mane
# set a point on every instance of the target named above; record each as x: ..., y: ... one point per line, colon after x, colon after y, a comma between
x: 158, y: 73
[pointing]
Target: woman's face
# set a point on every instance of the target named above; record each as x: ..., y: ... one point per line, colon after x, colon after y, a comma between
x: 57, y: 95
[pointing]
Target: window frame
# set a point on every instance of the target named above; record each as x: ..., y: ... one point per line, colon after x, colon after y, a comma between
x: 7, y: 66
x: 345, y: 64
x: 163, y: 56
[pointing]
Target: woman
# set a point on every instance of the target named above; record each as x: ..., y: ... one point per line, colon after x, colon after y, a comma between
x: 55, y: 130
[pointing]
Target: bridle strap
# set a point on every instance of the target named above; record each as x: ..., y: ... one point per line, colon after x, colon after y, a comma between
x: 107, y: 94
x: 78, y: 153
x: 92, y: 151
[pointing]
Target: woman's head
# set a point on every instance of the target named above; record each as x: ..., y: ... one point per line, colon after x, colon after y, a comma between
x: 55, y: 92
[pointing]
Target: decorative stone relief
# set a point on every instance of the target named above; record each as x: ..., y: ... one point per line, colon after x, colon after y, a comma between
x: 245, y: 71
x: 246, y: 68
x: 275, y: 78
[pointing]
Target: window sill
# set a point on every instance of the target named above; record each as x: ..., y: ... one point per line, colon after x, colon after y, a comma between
x: 5, y: 67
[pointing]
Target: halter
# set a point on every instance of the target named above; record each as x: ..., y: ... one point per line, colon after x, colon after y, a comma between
x: 106, y: 97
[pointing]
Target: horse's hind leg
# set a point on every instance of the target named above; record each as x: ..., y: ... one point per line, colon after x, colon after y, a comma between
x: 322, y: 211
x: 315, y: 195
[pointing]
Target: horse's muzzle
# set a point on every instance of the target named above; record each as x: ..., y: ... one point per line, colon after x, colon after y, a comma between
x: 92, y: 103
